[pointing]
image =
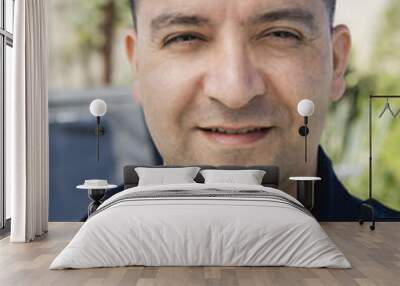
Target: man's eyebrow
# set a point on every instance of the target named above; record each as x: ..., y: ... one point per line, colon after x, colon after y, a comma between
x: 173, y: 19
x: 290, y: 14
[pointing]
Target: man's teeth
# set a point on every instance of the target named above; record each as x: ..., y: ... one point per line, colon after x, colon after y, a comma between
x: 239, y: 131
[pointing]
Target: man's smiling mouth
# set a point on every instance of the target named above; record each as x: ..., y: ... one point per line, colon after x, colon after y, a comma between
x: 237, y: 136
x: 235, y: 131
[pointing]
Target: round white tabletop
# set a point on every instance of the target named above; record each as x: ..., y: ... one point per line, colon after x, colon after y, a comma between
x: 305, y: 178
x: 86, y: 187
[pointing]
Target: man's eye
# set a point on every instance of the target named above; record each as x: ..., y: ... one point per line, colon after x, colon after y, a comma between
x: 183, y: 38
x: 283, y: 35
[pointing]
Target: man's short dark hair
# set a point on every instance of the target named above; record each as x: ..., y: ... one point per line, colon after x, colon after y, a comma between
x: 133, y: 9
x: 330, y: 5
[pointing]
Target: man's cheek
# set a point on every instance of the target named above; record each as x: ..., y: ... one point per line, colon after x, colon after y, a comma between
x: 175, y: 88
x: 162, y: 108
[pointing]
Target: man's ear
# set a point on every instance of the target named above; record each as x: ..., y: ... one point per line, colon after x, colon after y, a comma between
x: 341, y: 46
x: 130, y: 49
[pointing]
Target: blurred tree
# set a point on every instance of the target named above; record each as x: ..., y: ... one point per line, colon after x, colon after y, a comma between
x: 95, y: 24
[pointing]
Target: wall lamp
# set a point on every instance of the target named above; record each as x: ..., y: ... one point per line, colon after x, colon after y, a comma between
x: 305, y: 108
x: 98, y: 108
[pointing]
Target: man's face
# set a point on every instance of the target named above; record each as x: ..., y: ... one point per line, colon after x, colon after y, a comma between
x: 233, y: 64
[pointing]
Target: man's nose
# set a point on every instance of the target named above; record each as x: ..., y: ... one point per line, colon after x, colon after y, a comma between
x: 233, y: 78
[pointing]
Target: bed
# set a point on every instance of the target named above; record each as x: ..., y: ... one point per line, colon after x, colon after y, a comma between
x: 201, y: 224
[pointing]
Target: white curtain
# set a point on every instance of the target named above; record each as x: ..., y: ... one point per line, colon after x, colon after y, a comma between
x: 27, y: 123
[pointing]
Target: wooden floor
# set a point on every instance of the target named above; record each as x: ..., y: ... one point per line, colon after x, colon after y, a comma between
x: 375, y: 256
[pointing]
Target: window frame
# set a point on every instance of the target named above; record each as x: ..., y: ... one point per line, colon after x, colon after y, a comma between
x: 6, y: 39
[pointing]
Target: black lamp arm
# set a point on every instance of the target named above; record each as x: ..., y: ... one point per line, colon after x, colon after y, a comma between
x: 99, y: 132
x: 304, y: 131
x: 99, y: 129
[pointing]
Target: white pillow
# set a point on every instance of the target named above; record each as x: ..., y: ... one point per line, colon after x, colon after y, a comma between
x: 161, y: 176
x: 248, y: 177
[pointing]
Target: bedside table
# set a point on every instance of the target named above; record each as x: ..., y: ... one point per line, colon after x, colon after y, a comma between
x: 305, y: 190
x: 96, y: 192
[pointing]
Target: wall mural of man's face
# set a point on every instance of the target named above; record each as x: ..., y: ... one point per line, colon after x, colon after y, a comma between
x: 207, y: 67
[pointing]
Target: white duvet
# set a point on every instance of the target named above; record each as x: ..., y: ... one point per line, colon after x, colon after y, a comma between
x: 207, y: 230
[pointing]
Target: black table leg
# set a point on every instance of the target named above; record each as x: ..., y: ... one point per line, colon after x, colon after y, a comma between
x: 96, y: 195
x: 305, y: 193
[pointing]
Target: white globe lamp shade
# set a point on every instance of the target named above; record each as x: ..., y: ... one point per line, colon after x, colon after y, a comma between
x: 98, y: 107
x: 305, y: 108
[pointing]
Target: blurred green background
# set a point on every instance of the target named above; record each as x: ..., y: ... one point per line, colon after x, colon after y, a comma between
x: 86, y: 50
x: 346, y: 137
